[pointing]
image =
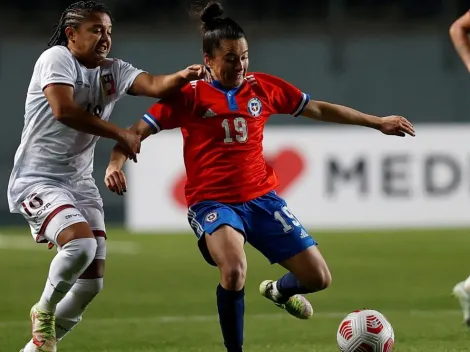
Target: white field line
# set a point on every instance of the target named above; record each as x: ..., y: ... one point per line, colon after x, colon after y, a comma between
x: 214, y: 318
x: 26, y: 243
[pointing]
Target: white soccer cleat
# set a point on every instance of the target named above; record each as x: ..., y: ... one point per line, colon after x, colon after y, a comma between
x: 43, y: 329
x: 464, y: 298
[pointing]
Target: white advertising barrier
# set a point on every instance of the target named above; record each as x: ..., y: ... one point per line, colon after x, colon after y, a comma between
x: 332, y: 177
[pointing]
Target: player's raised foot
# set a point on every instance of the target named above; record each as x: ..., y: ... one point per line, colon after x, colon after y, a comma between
x: 464, y: 299
x: 43, y: 327
x: 297, y: 305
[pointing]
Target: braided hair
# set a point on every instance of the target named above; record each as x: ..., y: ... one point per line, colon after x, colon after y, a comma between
x: 73, y: 16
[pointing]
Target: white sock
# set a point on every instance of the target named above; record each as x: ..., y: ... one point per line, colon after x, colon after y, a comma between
x: 466, y: 285
x: 66, y: 267
x: 30, y: 347
x: 70, y: 310
x: 275, y: 292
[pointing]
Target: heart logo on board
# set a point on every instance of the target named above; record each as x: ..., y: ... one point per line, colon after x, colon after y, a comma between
x: 287, y: 163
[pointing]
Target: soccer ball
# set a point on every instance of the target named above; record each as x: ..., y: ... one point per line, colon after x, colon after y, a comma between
x: 365, y: 331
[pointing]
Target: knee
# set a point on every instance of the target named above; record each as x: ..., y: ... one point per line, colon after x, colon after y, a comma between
x: 87, y: 289
x: 82, y: 249
x: 99, y: 285
x: 226, y: 249
x: 233, y: 275
x: 90, y: 287
x: 318, y: 280
x: 87, y: 249
x: 325, y: 279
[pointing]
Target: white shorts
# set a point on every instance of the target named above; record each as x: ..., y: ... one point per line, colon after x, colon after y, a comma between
x: 50, y: 209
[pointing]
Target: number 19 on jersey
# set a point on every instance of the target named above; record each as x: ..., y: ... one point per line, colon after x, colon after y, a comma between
x: 240, y: 130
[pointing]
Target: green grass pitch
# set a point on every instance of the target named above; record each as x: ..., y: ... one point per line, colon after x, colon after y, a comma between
x: 160, y: 295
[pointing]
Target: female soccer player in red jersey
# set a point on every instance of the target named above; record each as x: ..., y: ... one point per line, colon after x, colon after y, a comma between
x: 230, y: 190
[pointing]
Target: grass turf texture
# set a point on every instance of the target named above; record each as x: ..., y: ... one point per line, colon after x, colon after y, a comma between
x: 160, y: 295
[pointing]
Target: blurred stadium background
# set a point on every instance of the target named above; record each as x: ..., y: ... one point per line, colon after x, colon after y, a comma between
x: 379, y: 56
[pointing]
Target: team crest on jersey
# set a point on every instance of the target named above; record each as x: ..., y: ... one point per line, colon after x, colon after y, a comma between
x: 108, y: 84
x: 255, y: 107
x: 211, y: 217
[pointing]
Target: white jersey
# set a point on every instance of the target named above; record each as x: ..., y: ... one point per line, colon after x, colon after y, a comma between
x: 50, y: 152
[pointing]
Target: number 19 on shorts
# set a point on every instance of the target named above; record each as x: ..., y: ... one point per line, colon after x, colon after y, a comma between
x: 281, y: 217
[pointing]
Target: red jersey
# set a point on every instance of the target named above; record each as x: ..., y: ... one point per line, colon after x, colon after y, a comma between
x: 223, y: 133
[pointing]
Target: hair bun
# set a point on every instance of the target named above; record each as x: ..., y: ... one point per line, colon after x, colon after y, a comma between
x: 212, y: 11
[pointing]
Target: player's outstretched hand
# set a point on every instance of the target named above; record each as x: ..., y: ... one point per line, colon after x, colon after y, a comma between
x: 130, y: 142
x: 396, y: 126
x: 115, y: 180
x: 195, y: 72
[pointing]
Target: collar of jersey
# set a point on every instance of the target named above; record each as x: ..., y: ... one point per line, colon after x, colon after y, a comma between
x: 228, y: 91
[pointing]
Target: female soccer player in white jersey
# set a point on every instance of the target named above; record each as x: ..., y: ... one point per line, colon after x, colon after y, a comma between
x: 459, y: 32
x: 72, y: 93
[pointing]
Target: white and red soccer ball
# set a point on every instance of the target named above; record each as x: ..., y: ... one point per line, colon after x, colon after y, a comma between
x: 365, y: 331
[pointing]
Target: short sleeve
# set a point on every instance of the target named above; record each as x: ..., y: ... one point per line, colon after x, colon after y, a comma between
x: 170, y: 112
x: 127, y: 75
x: 284, y: 97
x: 56, y: 65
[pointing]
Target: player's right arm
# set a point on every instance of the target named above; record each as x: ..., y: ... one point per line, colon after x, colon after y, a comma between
x: 57, y: 74
x: 66, y: 111
x: 165, y: 115
x: 459, y: 31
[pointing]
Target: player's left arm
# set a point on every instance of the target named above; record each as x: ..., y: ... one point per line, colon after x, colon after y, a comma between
x: 115, y: 179
x: 167, y: 114
x: 288, y: 99
x: 160, y: 86
x: 327, y: 112
x: 119, y: 155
